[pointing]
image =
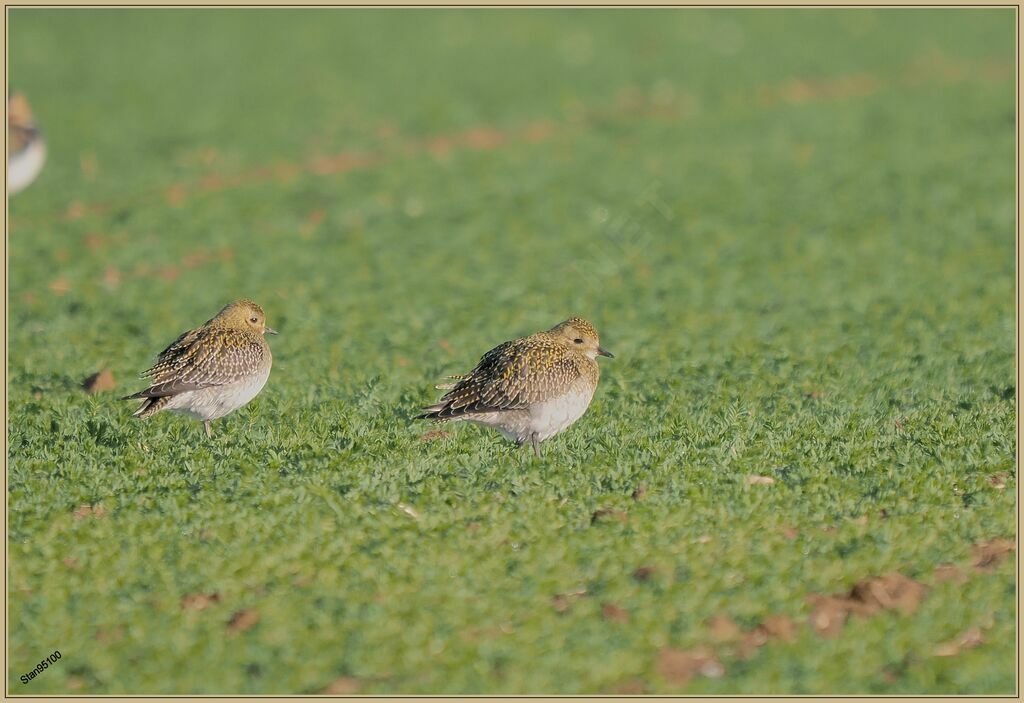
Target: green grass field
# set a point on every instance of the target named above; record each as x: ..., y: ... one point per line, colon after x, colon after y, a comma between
x: 795, y: 229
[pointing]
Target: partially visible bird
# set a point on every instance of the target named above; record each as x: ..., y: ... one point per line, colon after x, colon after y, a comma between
x: 26, y: 149
x: 529, y: 389
x: 212, y: 370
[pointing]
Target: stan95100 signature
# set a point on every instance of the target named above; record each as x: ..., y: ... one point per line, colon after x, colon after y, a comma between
x: 41, y: 666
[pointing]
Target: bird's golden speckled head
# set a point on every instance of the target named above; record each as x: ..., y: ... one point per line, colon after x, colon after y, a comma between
x: 242, y: 315
x: 18, y: 111
x: 578, y: 334
x: 21, y: 128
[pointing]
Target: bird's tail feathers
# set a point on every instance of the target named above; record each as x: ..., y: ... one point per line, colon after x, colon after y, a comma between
x: 149, y: 406
x: 431, y: 412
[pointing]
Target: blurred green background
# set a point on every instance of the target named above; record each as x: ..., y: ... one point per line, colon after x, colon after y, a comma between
x: 794, y: 228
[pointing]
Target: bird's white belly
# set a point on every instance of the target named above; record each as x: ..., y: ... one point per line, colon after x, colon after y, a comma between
x: 217, y: 401
x: 24, y: 166
x: 546, y: 418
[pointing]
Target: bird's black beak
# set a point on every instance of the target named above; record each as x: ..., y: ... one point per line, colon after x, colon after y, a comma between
x: 605, y: 352
x: 269, y: 330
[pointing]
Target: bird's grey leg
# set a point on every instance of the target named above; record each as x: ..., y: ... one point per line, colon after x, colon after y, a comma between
x: 206, y: 426
x: 536, y: 444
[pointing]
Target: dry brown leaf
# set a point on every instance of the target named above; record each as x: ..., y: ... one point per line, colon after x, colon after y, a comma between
x: 433, y: 434
x: 614, y: 613
x: 242, y: 620
x: 343, y: 686
x: 679, y: 666
x: 829, y: 614
x: 643, y: 573
x: 99, y: 382
x: 989, y: 554
x: 723, y: 629
x: 760, y: 480
x: 639, y: 492
x: 965, y: 640
x: 779, y: 627
x: 199, y: 601
x: 750, y: 642
x: 998, y: 481
x: 971, y: 638
x: 894, y: 591
x: 84, y: 511
x: 789, y: 532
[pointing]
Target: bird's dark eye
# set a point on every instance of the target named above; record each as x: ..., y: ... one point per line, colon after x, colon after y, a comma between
x: 578, y: 340
x: 254, y: 319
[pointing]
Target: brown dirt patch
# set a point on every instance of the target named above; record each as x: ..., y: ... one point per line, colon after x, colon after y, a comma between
x: 679, y: 666
x: 199, y: 601
x: 243, y: 620
x: 988, y: 555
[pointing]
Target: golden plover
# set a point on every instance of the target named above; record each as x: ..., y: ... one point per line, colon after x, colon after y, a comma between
x: 529, y: 389
x: 26, y: 148
x: 212, y: 370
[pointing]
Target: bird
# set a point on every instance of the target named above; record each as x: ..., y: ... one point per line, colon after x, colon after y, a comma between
x: 26, y: 146
x: 211, y: 370
x: 529, y: 389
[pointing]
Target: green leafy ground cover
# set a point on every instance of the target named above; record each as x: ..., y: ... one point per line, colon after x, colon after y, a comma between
x: 795, y: 229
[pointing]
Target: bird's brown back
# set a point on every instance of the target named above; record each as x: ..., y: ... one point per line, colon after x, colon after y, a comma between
x: 517, y: 374
x: 210, y: 356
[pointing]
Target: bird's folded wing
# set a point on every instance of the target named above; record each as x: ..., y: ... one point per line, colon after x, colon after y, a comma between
x: 200, y: 360
x: 175, y: 355
x: 173, y: 387
x: 511, y: 376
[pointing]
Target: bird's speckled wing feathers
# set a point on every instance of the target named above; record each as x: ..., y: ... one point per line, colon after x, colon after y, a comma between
x: 204, y: 357
x: 511, y: 376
